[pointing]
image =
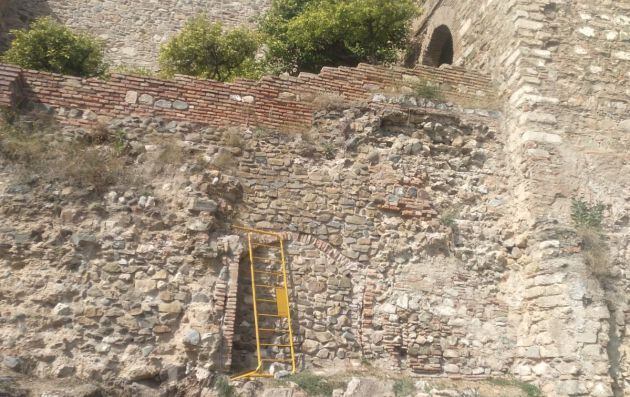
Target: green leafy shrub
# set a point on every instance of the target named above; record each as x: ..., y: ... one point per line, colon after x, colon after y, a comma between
x: 50, y: 46
x: 304, y: 35
x: 426, y: 90
x: 205, y: 49
x: 587, y: 215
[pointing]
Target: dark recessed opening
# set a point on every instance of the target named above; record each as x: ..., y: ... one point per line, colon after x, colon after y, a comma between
x: 440, y: 50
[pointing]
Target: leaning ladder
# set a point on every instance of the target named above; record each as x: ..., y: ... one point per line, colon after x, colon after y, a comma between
x: 269, y: 292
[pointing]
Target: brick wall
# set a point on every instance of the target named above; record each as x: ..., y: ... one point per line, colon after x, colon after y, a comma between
x: 10, y: 84
x: 276, y: 102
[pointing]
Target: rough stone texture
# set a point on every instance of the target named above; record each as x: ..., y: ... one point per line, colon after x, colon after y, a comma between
x: 127, y: 294
x: 373, y: 292
x: 132, y: 30
x: 144, y: 294
x: 452, y: 227
x: 561, y: 68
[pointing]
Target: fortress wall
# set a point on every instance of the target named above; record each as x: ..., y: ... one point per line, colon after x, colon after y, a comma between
x: 132, y: 29
x: 277, y: 102
x: 563, y: 69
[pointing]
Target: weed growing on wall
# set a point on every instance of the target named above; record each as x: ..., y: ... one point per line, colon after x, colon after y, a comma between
x: 132, y: 70
x: 96, y: 160
x: 587, y: 215
x: 425, y: 89
x: 233, y: 137
x: 329, y: 150
x: 529, y: 389
x: 588, y: 218
x: 448, y: 218
x: 315, y: 385
x: 223, y: 387
x: 404, y: 387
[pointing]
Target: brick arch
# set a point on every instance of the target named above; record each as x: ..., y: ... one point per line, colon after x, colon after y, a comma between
x: 365, y: 277
x: 354, y: 270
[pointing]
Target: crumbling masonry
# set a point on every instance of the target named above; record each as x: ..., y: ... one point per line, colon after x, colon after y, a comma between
x: 437, y: 237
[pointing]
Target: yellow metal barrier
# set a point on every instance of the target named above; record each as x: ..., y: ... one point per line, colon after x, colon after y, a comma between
x: 270, y: 329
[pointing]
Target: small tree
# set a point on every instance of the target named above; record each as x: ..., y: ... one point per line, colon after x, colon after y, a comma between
x: 304, y: 35
x: 50, y: 46
x: 205, y: 49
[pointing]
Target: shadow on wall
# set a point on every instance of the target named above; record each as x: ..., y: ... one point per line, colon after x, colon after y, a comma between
x: 17, y: 14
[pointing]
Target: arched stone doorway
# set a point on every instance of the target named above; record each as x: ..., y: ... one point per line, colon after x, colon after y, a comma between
x: 440, y: 50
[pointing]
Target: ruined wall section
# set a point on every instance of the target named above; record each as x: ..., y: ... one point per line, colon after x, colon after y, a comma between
x: 132, y: 30
x: 358, y: 202
x: 118, y: 291
x: 143, y: 287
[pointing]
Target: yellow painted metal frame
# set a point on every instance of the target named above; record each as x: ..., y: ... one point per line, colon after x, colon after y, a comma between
x: 283, y: 312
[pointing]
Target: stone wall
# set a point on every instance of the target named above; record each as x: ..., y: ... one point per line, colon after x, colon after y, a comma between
x: 142, y: 286
x: 351, y: 204
x: 132, y: 30
x: 135, y: 287
x: 563, y: 68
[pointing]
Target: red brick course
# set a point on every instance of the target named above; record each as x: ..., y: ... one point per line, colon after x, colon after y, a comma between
x: 276, y: 102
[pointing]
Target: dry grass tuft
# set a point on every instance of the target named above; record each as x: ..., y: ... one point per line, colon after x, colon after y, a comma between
x: 223, y: 160
x: 233, y: 137
x: 332, y: 101
x: 80, y: 162
x: 595, y: 251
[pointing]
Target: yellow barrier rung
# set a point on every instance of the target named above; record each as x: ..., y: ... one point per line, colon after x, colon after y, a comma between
x: 267, y: 300
x: 268, y: 272
x: 265, y: 245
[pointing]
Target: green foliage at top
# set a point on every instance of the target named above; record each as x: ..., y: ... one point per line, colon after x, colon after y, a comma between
x: 305, y: 35
x: 205, y: 49
x: 586, y: 215
x: 50, y: 46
